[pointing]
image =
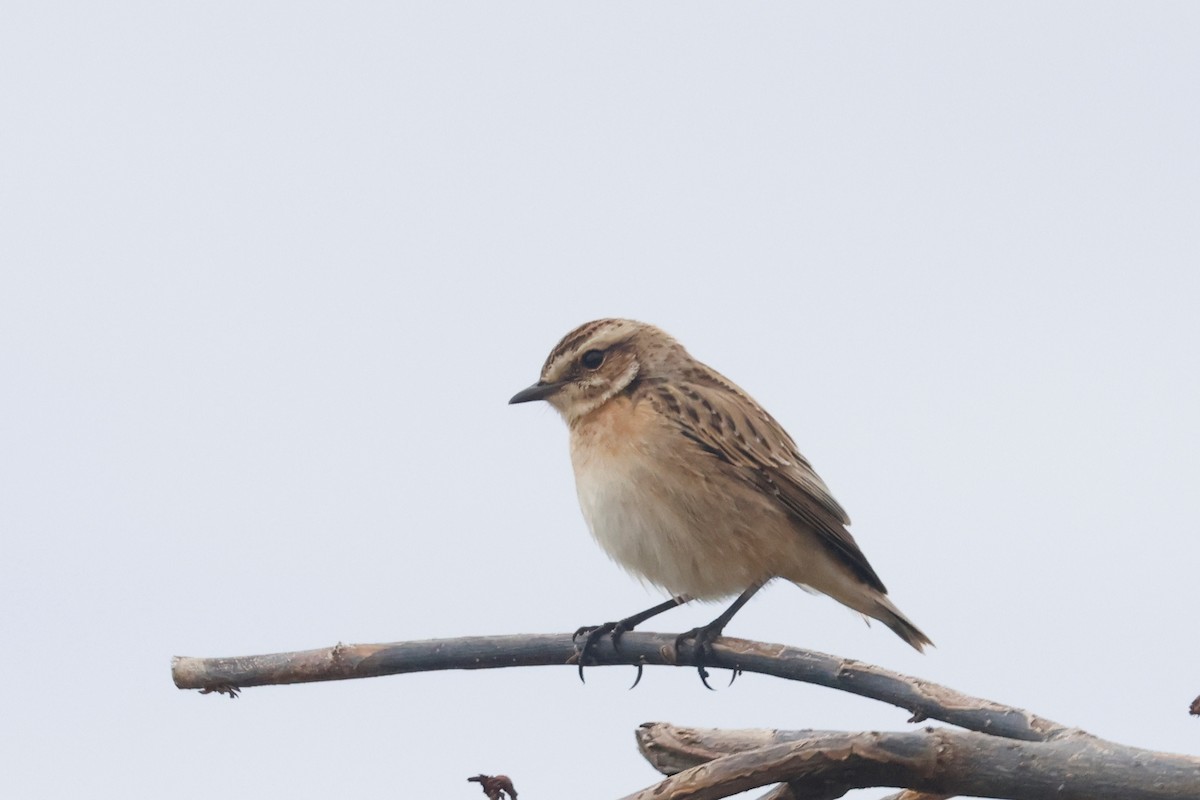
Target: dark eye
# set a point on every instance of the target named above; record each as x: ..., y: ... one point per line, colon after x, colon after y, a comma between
x: 592, y: 359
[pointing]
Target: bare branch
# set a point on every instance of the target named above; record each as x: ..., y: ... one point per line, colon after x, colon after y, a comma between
x: 1013, y: 754
x: 671, y: 749
x: 923, y: 699
x: 937, y: 761
x: 784, y: 792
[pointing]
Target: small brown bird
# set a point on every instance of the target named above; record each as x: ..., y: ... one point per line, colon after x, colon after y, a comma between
x: 689, y: 484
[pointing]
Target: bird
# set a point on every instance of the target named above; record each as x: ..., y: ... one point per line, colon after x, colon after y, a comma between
x: 690, y: 485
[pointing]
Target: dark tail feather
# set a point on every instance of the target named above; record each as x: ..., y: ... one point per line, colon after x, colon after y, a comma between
x: 889, y: 615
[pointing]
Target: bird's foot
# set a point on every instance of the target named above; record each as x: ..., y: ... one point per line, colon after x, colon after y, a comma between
x: 591, y: 634
x: 702, y: 639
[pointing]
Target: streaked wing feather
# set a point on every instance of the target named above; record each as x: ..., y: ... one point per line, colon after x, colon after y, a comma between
x: 723, y: 421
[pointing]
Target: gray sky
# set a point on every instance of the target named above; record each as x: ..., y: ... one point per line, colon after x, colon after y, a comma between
x: 271, y: 271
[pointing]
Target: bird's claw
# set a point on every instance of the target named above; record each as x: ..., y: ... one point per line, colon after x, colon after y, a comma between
x: 702, y: 638
x: 593, y: 634
x: 638, y: 679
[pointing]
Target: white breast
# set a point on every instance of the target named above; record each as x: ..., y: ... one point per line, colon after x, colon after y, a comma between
x: 664, y: 530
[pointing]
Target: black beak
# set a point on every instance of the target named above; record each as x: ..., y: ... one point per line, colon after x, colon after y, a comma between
x: 539, y: 391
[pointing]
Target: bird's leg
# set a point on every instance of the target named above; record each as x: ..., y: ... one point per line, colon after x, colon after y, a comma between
x: 594, y: 633
x: 705, y: 635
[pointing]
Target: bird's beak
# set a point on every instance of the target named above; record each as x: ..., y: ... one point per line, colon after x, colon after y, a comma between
x: 539, y: 391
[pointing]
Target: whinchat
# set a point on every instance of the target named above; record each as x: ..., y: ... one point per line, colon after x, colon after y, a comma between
x: 689, y: 484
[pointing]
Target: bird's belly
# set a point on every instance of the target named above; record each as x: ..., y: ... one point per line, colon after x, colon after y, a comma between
x: 678, y: 534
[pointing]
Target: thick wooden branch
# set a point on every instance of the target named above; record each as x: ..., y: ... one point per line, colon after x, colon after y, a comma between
x: 784, y: 792
x: 671, y: 749
x: 937, y: 761
x: 924, y: 700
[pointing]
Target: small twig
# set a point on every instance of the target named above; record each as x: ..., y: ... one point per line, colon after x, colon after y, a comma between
x: 495, y: 786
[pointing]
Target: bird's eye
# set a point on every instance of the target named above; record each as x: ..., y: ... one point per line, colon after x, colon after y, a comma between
x: 592, y: 359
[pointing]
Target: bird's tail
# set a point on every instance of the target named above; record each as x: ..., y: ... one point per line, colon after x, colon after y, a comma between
x: 887, y: 613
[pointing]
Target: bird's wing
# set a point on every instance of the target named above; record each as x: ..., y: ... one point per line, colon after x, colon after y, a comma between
x: 724, y: 422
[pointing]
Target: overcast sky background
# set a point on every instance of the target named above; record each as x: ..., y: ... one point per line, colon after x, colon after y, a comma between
x: 269, y: 273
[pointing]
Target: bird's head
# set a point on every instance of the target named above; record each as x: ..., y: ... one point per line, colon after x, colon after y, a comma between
x: 597, y: 361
